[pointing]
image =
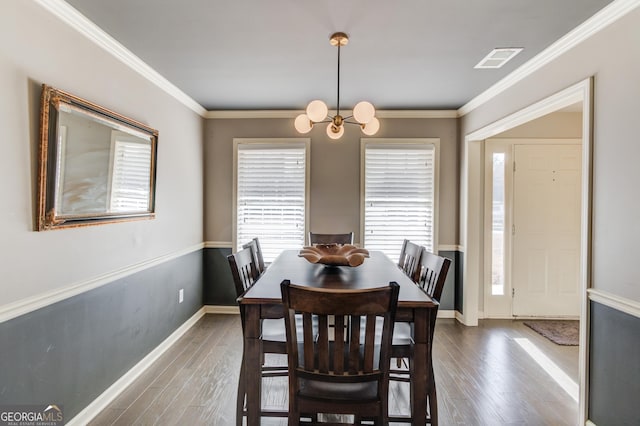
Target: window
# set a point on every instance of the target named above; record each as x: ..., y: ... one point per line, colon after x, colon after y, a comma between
x: 497, y: 224
x: 399, y: 193
x: 271, y: 194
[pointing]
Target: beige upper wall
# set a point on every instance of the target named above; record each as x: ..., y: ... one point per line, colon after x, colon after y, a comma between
x: 335, y: 172
x: 612, y: 56
x: 38, y: 48
x: 558, y: 125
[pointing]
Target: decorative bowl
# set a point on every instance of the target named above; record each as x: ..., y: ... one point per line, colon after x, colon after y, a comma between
x: 334, y: 254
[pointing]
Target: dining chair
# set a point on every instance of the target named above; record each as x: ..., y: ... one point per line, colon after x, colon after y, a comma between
x: 256, y: 250
x: 410, y: 258
x: 315, y: 238
x: 345, y: 369
x: 245, y: 272
x: 431, y: 275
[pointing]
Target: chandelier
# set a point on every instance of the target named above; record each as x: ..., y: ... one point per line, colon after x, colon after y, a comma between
x: 317, y: 111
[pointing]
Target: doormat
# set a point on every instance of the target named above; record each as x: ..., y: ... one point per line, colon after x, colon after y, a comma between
x: 560, y: 332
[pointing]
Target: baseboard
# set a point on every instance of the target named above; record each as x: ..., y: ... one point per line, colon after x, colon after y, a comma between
x: 221, y: 309
x: 446, y: 313
x: 463, y: 320
x: 101, y: 402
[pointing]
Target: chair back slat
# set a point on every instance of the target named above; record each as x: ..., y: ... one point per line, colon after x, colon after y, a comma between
x: 410, y: 258
x: 369, y: 342
x: 338, y: 350
x: 315, y: 238
x: 323, y: 345
x: 256, y: 251
x: 432, y: 273
x: 354, y: 346
x: 243, y: 270
x: 307, y: 325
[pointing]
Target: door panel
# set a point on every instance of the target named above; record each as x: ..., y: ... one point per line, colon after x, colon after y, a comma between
x: 546, y: 239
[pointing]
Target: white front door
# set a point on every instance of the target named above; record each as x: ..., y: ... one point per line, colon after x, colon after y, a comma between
x: 546, y: 230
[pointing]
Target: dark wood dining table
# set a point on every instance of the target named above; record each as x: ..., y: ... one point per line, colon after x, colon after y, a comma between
x: 263, y: 300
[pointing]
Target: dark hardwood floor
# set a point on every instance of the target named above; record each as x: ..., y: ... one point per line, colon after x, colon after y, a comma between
x: 484, y: 377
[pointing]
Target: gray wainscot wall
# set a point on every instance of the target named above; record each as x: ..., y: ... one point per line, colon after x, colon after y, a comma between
x: 69, y: 352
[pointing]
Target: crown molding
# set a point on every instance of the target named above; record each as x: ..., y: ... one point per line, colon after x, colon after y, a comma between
x: 87, y: 28
x: 608, y: 15
x: 220, y: 114
x: 84, y: 26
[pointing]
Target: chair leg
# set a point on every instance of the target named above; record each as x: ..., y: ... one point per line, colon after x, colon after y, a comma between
x: 241, y: 395
x: 433, y: 407
x: 433, y: 400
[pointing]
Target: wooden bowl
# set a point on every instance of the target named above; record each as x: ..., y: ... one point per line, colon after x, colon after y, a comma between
x: 334, y: 254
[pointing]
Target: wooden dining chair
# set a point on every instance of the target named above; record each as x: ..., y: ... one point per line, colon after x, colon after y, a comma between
x: 345, y: 369
x: 315, y: 238
x: 410, y: 258
x: 245, y: 272
x: 430, y: 276
x: 256, y: 250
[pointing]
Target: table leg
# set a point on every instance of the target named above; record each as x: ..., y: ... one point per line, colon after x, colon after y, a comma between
x: 253, y: 361
x: 420, y: 376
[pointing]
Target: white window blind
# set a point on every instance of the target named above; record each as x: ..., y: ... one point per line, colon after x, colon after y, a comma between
x: 130, y: 176
x: 271, y: 196
x: 398, y: 196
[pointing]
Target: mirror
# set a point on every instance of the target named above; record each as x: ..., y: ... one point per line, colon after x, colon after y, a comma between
x: 94, y: 166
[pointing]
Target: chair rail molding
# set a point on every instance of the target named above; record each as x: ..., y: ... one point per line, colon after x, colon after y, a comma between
x: 218, y: 244
x: 623, y: 304
x: 30, y: 304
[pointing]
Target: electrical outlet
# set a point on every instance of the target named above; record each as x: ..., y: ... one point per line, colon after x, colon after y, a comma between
x: 181, y: 295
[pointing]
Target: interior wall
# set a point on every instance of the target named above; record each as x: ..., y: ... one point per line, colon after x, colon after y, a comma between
x: 35, y: 48
x: 557, y: 125
x: 335, y: 172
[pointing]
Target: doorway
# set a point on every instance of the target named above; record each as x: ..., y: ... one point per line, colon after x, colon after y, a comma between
x: 532, y: 224
x: 471, y: 223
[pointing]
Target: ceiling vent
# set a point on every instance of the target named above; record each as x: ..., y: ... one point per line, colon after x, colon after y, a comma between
x: 498, y: 57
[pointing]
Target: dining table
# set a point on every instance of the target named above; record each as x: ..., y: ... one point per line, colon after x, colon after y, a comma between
x: 263, y: 300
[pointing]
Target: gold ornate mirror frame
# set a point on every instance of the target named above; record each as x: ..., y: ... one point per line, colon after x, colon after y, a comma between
x: 95, y: 166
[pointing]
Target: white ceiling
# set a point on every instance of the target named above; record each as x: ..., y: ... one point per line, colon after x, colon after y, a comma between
x: 257, y: 54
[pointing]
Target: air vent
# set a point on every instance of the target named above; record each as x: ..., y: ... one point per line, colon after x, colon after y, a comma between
x: 498, y: 57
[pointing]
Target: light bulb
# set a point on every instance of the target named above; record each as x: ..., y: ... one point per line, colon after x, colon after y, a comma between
x: 372, y: 127
x: 332, y: 134
x: 363, y: 112
x: 303, y: 123
x: 317, y: 111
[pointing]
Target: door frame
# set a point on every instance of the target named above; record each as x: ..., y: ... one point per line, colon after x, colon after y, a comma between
x: 471, y: 202
x: 503, y: 305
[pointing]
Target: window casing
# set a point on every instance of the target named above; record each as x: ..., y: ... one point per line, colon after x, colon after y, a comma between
x: 399, y: 193
x: 270, y: 193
